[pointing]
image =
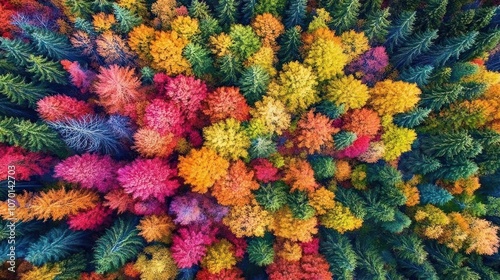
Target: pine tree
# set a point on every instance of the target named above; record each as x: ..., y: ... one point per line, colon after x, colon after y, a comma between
x: 16, y: 51
x: 53, y: 45
x: 370, y: 263
x: 323, y: 166
x: 199, y: 58
x: 449, y: 263
x: 290, y: 46
x: 295, y: 13
x: 371, y: 6
x: 401, y: 221
x: 226, y: 12
x: 55, y: 245
x: 248, y: 10
x: 450, y: 48
x: 125, y: 18
x: 460, y: 70
x: 412, y: 118
x: 46, y: 71
x: 33, y: 136
x: 345, y: 14
x: 80, y: 8
x: 330, y: 109
x: 88, y: 134
x: 85, y: 26
x: 419, y: 43
x: 400, y: 30
x: 199, y: 10
x: 339, y: 253
x: 476, y: 263
x: 352, y: 200
x: 430, y: 193
x: 433, y: 13
x: 101, y: 5
x: 18, y: 91
x: 423, y: 271
x: 377, y: 24
x: 344, y: 139
x: 419, y: 75
x: 272, y: 196
x: 253, y: 83
x: 299, y: 204
x: 440, y: 96
x: 408, y: 247
x: 485, y: 41
x: 446, y: 144
x: 230, y: 69
x: 261, y: 251
x: 119, y: 244
x: 455, y: 170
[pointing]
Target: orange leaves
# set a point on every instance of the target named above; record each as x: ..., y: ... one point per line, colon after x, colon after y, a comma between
x: 300, y: 176
x: 201, y: 168
x: 236, y: 187
x: 156, y: 228
x: 286, y: 226
x: 166, y: 51
x: 226, y: 102
x: 314, y: 132
x: 362, y: 122
x: 247, y: 220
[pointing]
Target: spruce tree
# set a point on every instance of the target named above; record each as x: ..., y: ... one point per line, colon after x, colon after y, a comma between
x: 226, y: 12
x: 449, y: 49
x: 437, y: 97
x: 261, y: 251
x: 432, y: 14
x: 272, y: 196
x: 344, y: 139
x: 229, y: 69
x: 418, y: 74
x: 412, y: 118
x: 199, y: 9
x: 370, y: 263
x: 413, y: 47
x: 253, y: 83
x: 290, y: 46
x: 16, y: 51
x: 80, y: 8
x: 46, y: 71
x: 295, y: 13
x: 484, y: 42
x: 19, y: 91
x: 199, y: 58
x: 432, y: 194
x: 299, y: 205
x: 54, y: 45
x: 377, y: 24
x: 446, y: 144
x: 338, y: 252
x: 248, y: 11
x: 400, y: 30
x: 344, y: 14
x: 125, y: 18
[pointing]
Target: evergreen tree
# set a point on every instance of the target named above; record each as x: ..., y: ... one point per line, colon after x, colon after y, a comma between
x: 323, y: 166
x: 199, y: 9
x: 226, y: 12
x: 412, y: 118
x: 484, y: 42
x: 261, y: 251
x: 18, y: 91
x: 33, y: 136
x: 370, y: 263
x: 462, y: 69
x: 299, y: 204
x: 377, y: 24
x: 101, y: 5
x: 423, y: 271
x: 371, y: 6
x: 290, y: 46
x: 419, y: 75
x: 55, y: 245
x: 53, y: 45
x: 16, y: 51
x: 248, y: 11
x: 295, y: 13
x: 449, y: 263
x: 85, y: 26
x: 446, y: 144
x: 230, y: 69
x: 339, y: 253
x: 408, y: 247
x: 351, y: 200
x: 119, y: 244
x: 442, y: 53
x: 432, y: 194
x: 416, y: 45
x: 401, y: 221
x: 272, y: 196
x: 345, y: 14
x: 476, y: 263
x: 400, y: 30
x: 330, y: 109
x: 199, y: 58
x: 344, y: 139
x: 46, y: 71
x: 253, y: 83
x: 125, y: 18
x: 80, y: 8
x: 440, y: 96
x: 9, y: 109
x: 432, y: 15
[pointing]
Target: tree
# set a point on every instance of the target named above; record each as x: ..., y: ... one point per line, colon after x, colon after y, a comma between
x: 16, y: 50
x: 345, y: 14
x: 79, y: 8
x: 400, y: 30
x: 290, y: 45
x: 260, y: 250
x: 377, y: 25
x: 433, y: 12
x: 413, y: 47
x: 450, y: 48
x: 272, y: 196
x: 418, y: 74
x: 339, y: 253
x: 226, y: 12
x: 199, y: 58
x: 54, y: 45
x: 17, y: 90
x: 45, y: 70
x: 248, y: 10
x: 439, y: 96
x: 413, y: 118
x: 389, y: 97
x: 119, y: 244
x: 430, y: 193
x: 409, y: 247
x: 295, y: 13
x: 447, y: 144
x: 253, y: 83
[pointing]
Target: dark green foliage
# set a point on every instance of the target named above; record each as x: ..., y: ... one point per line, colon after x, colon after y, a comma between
x: 447, y: 144
x: 208, y: 27
x: 489, y: 160
x: 449, y: 50
x: 199, y: 9
x: 460, y: 23
x: 119, y: 244
x: 370, y: 263
x: 262, y: 147
x: 486, y: 137
x: 272, y: 196
x: 418, y: 163
x: 383, y: 174
x: 449, y: 263
x: 46, y: 71
x: 33, y: 136
x: 371, y: 6
x: 329, y: 109
x: 147, y: 74
x: 454, y: 170
x: 437, y: 97
x: 275, y: 7
x: 55, y: 46
x: 226, y: 12
x: 418, y: 74
x: 199, y: 58
x: 101, y: 5
x: 377, y: 24
x: 248, y: 10
x: 433, y: 13
x: 339, y: 253
x: 463, y: 69
x: 80, y: 8
x: 290, y: 43
x: 323, y: 166
x: 19, y: 91
x: 71, y: 268
x: 379, y: 212
x: 10, y: 109
x: 352, y: 200
x: 475, y: 262
x: 85, y: 26
x: 424, y: 271
x: 472, y: 90
x: 299, y: 204
x: 484, y: 42
x: 125, y: 18
x: 261, y: 251
x: 230, y: 69
x: 390, y: 195
x: 400, y: 30
x: 401, y: 221
x: 55, y: 245
x: 413, y: 47
x: 16, y: 51
x: 253, y: 83
x: 344, y: 139
x: 295, y: 13
x: 413, y: 118
x: 432, y: 194
x: 344, y: 14
x: 408, y: 247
